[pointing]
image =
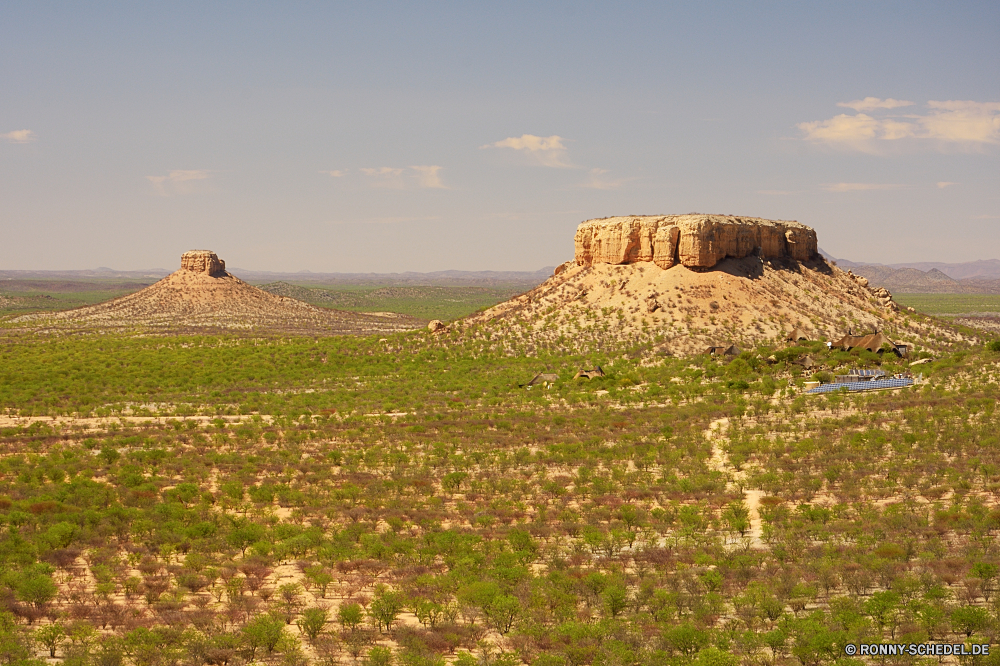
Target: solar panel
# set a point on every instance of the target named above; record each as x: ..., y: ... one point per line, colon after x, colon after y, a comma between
x: 863, y: 386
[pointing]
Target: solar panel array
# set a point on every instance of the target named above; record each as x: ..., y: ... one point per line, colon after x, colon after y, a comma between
x: 863, y: 386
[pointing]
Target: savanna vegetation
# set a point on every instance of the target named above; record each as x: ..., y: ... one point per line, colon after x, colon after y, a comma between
x: 426, y: 302
x: 52, y: 294
x: 951, y: 304
x: 407, y: 500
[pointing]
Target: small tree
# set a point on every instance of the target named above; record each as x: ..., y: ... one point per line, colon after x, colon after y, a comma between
x: 290, y: 600
x: 386, y: 606
x: 51, y: 636
x: 262, y: 632
x: 737, y: 517
x: 312, y: 622
x: 969, y: 619
x: 615, y: 599
x: 378, y: 656
x: 350, y: 616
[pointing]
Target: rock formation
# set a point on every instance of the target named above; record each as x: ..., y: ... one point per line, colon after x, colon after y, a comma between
x: 685, y: 282
x: 694, y: 240
x: 202, y: 294
x: 203, y: 261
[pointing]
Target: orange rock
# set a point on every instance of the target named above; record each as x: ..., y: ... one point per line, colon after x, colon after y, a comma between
x: 694, y: 240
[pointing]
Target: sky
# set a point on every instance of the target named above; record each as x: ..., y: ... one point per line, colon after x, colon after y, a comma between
x: 389, y: 137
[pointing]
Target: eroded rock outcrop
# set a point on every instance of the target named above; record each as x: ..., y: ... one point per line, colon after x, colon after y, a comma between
x: 694, y: 240
x: 203, y: 294
x: 203, y: 261
x: 880, y: 294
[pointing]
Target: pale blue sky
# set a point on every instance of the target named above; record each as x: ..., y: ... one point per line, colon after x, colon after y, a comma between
x: 430, y: 136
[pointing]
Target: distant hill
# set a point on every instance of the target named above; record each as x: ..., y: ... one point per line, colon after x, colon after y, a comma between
x: 203, y: 295
x: 526, y: 279
x: 971, y: 277
x: 983, y: 269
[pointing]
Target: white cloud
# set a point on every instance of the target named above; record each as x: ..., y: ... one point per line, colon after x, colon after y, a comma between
x: 19, y: 136
x: 859, y: 187
x: 944, y: 183
x: 179, y: 181
x: 986, y: 217
x: 959, y: 123
x: 339, y: 173
x: 598, y: 181
x: 775, y: 193
x: 382, y: 172
x: 857, y: 132
x: 427, y: 177
x: 872, y: 103
x: 384, y: 177
x: 963, y: 121
x: 424, y: 177
x: 547, y: 150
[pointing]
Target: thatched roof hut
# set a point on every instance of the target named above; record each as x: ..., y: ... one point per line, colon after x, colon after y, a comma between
x: 543, y: 378
x: 589, y: 374
x: 795, y: 335
x: 872, y: 342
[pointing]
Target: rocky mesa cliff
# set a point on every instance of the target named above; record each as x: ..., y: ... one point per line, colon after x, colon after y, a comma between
x: 693, y: 240
x: 203, y: 261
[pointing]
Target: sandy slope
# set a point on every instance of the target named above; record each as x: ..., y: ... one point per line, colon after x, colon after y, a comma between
x: 741, y: 301
x: 189, y: 299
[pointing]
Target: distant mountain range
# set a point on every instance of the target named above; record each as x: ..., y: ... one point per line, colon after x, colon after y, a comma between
x: 919, y: 277
x: 526, y: 279
x: 925, y: 277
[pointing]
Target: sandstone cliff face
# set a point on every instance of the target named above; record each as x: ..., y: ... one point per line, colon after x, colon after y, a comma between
x: 695, y: 241
x: 203, y: 261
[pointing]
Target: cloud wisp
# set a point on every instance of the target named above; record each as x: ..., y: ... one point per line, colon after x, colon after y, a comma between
x: 428, y: 177
x: 422, y: 176
x: 545, y: 150
x: 598, y: 180
x: 860, y: 187
x: 952, y: 123
x: 872, y: 103
x: 19, y: 136
x: 179, y: 181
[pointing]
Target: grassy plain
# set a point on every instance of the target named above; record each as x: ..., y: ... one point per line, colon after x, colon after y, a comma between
x: 232, y: 500
x: 427, y: 302
x: 951, y: 304
x: 43, y: 295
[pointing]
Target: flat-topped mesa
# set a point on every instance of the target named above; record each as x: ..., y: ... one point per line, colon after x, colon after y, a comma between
x: 693, y: 240
x: 203, y: 261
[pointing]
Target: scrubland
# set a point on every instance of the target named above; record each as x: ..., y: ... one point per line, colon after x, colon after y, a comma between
x: 404, y: 499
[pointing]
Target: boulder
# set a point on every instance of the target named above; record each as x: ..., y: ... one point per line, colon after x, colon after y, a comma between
x: 436, y: 326
x: 696, y: 241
